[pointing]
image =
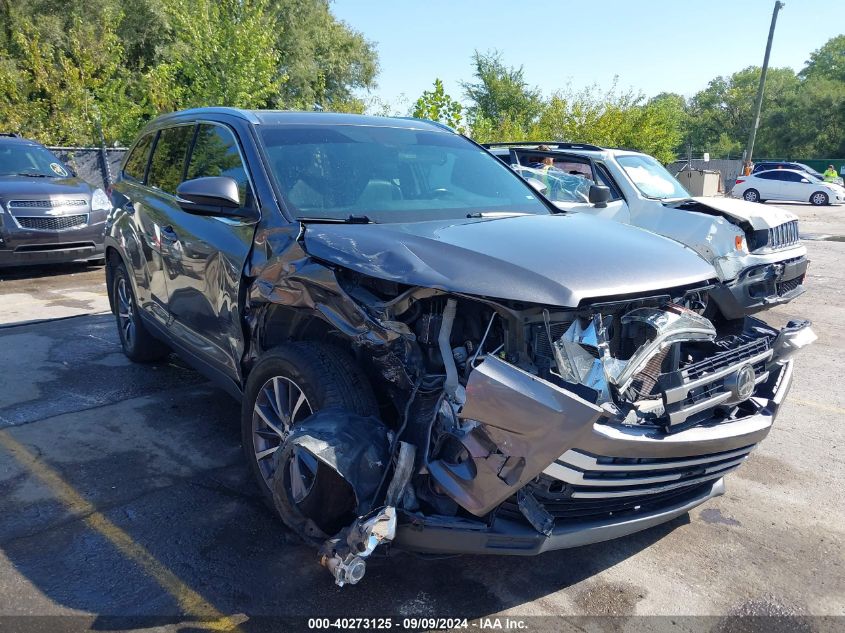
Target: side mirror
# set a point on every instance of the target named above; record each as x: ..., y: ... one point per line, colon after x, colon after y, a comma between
x: 804, y: 180
x: 599, y: 195
x: 536, y: 184
x: 212, y: 195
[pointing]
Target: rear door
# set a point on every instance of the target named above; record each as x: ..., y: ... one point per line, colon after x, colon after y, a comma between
x: 207, y: 257
x: 568, y: 177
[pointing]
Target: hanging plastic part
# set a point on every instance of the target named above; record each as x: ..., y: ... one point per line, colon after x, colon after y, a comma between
x: 344, y: 555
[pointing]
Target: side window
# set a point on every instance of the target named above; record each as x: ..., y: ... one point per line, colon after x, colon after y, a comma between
x: 792, y: 177
x: 168, y: 161
x: 136, y: 164
x: 215, y: 153
x: 606, y: 179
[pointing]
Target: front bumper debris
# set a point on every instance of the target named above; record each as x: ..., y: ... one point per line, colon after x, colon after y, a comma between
x: 612, y: 480
x: 760, y: 287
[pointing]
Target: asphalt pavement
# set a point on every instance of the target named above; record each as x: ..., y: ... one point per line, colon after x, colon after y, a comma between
x: 125, y: 501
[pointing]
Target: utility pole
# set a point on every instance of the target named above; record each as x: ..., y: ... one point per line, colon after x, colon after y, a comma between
x: 758, y: 106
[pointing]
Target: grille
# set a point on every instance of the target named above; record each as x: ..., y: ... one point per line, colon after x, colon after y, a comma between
x: 577, y: 475
x: 52, y: 223
x: 563, y: 508
x: 45, y: 204
x: 784, y: 235
x: 788, y: 286
x: 700, y: 386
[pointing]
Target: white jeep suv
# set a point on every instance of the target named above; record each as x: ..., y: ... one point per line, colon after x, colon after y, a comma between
x: 755, y: 250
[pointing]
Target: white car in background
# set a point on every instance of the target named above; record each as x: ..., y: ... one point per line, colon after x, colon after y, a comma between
x: 787, y: 184
x: 756, y: 251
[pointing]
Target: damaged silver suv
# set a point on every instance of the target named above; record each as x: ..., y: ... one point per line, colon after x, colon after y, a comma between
x: 431, y: 357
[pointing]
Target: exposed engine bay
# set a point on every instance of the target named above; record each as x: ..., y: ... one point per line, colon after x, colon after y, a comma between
x: 492, y: 396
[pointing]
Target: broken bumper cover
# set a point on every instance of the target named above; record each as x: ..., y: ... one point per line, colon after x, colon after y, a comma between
x: 690, y: 466
x: 520, y: 539
x: 759, y: 287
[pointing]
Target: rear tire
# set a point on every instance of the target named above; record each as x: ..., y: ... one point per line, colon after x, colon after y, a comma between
x: 136, y: 341
x: 287, y: 385
x: 752, y: 195
x: 819, y: 199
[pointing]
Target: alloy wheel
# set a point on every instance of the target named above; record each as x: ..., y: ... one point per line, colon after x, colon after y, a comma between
x: 751, y: 196
x: 819, y: 199
x: 280, y: 404
x: 126, y: 312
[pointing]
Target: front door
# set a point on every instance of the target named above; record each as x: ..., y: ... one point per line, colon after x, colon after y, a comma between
x: 567, y: 179
x: 206, y: 258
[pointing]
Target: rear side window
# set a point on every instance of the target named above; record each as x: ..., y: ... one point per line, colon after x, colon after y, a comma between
x: 771, y: 175
x: 215, y: 153
x: 136, y: 164
x: 168, y: 161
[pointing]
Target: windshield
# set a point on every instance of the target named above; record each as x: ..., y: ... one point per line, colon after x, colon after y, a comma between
x: 30, y: 160
x: 651, y: 178
x: 810, y: 171
x: 390, y: 174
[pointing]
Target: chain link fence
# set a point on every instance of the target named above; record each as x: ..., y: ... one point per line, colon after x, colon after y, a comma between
x: 95, y: 165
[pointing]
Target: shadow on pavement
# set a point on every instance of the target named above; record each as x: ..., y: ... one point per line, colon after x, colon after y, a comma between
x: 47, y: 270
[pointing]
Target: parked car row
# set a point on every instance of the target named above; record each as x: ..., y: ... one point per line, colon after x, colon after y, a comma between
x: 433, y: 356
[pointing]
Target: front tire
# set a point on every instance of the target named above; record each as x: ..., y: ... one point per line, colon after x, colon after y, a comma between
x: 819, y: 199
x: 287, y: 385
x: 136, y: 341
x: 752, y: 195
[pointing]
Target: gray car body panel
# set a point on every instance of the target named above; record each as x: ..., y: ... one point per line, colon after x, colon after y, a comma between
x: 508, y: 258
x: 526, y: 423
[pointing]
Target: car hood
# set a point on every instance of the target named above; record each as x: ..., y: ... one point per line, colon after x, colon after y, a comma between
x: 11, y: 186
x: 556, y: 260
x: 757, y: 215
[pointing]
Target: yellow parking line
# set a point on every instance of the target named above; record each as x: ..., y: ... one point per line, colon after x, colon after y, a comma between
x: 192, y: 604
x: 817, y: 405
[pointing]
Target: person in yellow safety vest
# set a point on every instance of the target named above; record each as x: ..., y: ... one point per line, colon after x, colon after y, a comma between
x: 830, y: 174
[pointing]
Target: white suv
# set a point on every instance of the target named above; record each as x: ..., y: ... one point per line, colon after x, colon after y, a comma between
x: 755, y: 250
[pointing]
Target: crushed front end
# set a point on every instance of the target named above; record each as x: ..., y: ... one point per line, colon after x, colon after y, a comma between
x: 524, y: 428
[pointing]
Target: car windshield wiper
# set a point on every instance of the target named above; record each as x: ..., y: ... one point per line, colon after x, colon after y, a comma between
x: 31, y: 175
x: 495, y: 214
x: 351, y: 219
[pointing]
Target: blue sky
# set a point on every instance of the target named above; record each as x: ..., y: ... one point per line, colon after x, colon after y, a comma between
x: 652, y: 46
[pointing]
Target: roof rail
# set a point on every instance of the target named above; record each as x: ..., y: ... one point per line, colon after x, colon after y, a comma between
x: 431, y: 121
x: 554, y: 144
x: 11, y: 134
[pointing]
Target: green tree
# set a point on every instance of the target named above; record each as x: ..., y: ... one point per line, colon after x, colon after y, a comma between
x: 500, y: 96
x: 828, y: 62
x: 221, y: 53
x: 324, y: 59
x: 436, y: 105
